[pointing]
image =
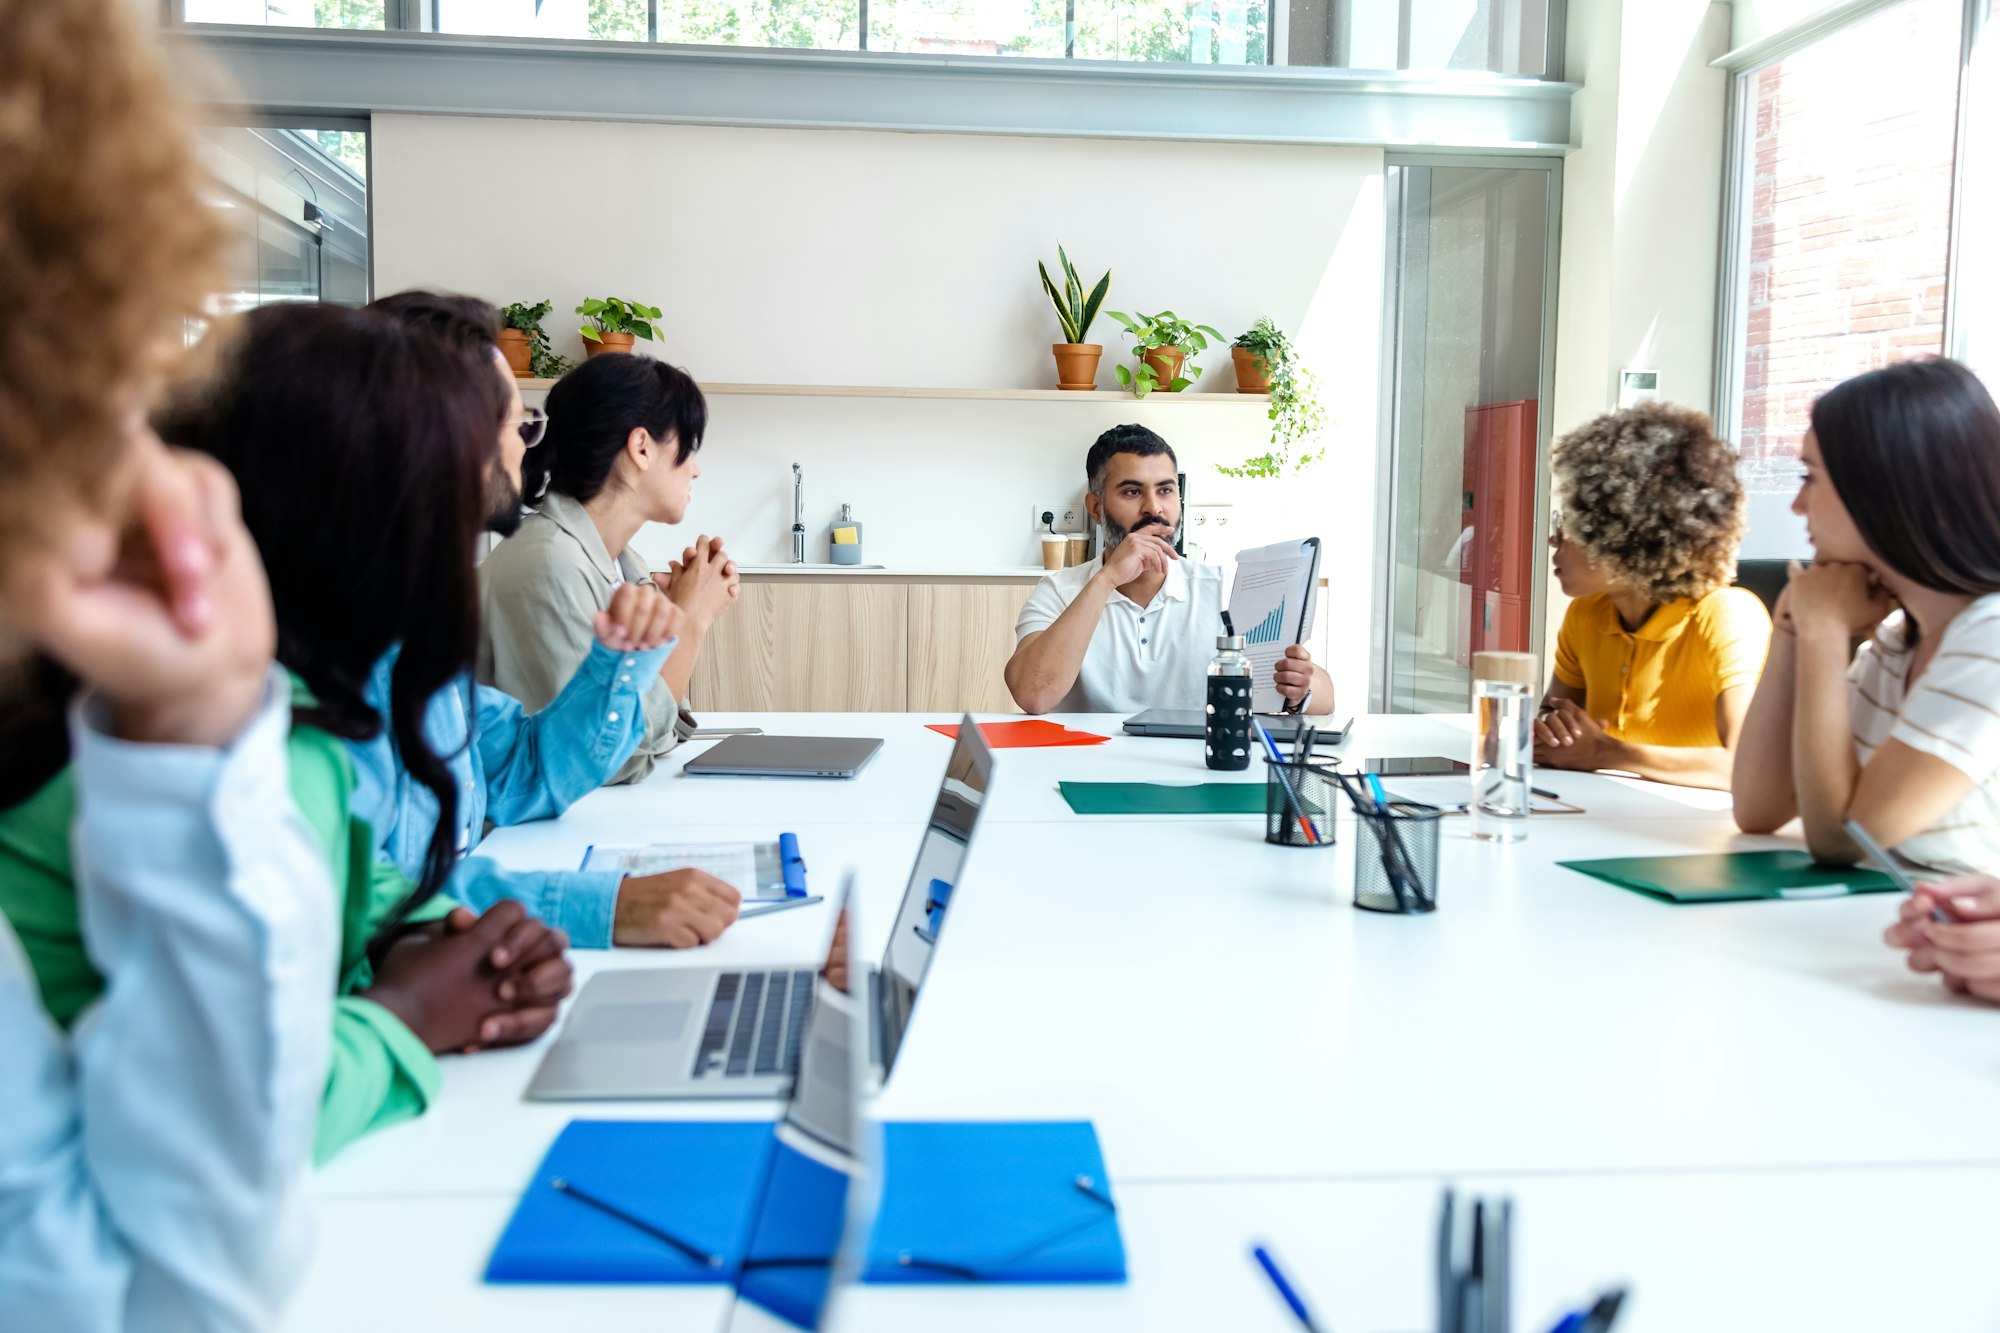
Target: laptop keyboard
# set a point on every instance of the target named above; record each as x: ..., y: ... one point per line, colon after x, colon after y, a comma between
x: 754, y: 1024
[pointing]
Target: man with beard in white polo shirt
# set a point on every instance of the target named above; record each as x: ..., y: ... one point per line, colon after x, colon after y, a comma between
x: 1135, y: 628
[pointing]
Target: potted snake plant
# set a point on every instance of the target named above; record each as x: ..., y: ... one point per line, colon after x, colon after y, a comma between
x: 1076, y: 360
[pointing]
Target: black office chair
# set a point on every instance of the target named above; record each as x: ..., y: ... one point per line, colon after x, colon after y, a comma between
x: 1766, y: 578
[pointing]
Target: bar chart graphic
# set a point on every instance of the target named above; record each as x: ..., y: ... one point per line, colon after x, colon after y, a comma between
x: 1269, y: 628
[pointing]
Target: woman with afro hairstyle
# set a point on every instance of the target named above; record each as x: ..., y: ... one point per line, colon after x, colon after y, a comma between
x: 1658, y: 656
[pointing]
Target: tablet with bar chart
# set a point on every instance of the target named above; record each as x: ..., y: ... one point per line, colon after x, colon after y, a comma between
x: 1271, y: 605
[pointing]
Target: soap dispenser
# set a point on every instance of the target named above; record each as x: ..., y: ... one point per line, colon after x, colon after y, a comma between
x: 843, y: 539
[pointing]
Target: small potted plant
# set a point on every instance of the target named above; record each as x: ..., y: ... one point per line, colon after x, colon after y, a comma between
x: 1257, y: 352
x: 525, y: 343
x: 1165, y: 343
x: 610, y: 325
x: 1076, y: 360
x: 1298, y: 418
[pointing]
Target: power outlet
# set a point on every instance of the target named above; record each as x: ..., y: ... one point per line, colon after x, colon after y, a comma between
x: 1068, y: 515
x: 1210, y: 520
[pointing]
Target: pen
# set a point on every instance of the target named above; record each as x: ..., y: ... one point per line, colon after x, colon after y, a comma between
x: 1447, y: 1317
x: 1380, y: 797
x: 1605, y: 1313
x: 1291, y: 1297
x: 1888, y: 865
x: 1306, y: 825
x: 759, y: 908
x: 1545, y: 794
x: 1473, y: 1288
x: 661, y: 1234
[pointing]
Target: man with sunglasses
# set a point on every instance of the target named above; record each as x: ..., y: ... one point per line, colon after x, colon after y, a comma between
x: 512, y: 766
x: 1136, y: 627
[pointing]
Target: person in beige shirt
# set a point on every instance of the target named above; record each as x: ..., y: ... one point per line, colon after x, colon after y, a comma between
x: 620, y: 452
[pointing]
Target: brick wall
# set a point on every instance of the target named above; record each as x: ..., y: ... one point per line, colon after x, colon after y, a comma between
x: 1850, y: 198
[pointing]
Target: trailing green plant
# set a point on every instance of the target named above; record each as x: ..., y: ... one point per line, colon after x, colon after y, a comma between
x: 1074, y: 310
x: 611, y: 315
x: 1165, y: 329
x: 1297, y: 416
x: 543, y: 363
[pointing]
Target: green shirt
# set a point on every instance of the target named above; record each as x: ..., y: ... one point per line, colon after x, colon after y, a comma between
x: 381, y: 1071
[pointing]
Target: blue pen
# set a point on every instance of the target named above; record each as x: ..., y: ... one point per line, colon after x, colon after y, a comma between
x: 1375, y: 790
x: 1571, y: 1323
x: 1298, y: 1307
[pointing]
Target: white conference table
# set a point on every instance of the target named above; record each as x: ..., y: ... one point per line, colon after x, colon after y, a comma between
x: 1748, y: 1110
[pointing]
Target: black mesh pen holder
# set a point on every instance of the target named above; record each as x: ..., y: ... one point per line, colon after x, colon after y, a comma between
x: 1396, y: 858
x: 1298, y: 804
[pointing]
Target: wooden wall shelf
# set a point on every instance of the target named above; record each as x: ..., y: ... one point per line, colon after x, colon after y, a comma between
x: 981, y: 395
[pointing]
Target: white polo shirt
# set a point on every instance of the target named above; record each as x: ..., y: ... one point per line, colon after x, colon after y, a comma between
x: 1140, y: 657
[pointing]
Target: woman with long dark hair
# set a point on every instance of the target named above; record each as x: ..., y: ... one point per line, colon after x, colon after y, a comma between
x: 1901, y: 497
x: 361, y: 450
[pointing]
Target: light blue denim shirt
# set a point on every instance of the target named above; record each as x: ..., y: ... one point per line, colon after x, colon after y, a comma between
x: 515, y: 767
x: 156, y: 1161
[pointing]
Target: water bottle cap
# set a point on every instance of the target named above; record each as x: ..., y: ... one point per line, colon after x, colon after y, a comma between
x: 1229, y: 643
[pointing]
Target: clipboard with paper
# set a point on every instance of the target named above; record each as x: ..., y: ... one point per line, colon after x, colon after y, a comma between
x: 1271, y: 604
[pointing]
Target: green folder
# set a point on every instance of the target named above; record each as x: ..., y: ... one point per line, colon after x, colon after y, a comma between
x: 1733, y: 877
x: 1159, y: 798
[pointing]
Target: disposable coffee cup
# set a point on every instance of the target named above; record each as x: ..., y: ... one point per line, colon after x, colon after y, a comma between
x: 1078, y: 544
x: 1055, y: 550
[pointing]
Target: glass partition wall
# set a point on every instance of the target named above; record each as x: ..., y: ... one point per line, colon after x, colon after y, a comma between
x: 295, y: 200
x: 1468, y: 321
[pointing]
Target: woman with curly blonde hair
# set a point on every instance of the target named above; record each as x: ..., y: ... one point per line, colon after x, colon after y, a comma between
x: 1658, y: 657
x: 155, y: 1157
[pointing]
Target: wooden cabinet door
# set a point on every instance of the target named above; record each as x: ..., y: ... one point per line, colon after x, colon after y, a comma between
x: 820, y: 647
x: 961, y: 635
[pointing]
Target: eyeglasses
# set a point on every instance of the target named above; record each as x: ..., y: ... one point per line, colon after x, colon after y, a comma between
x: 534, y: 423
x: 1555, y: 525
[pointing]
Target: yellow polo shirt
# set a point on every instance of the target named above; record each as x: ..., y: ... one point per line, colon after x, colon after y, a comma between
x: 1657, y: 685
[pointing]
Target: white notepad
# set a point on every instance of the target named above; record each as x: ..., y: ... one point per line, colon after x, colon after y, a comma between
x: 753, y: 869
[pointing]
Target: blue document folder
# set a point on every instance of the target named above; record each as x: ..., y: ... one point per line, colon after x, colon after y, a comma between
x: 697, y: 1181
x: 994, y: 1202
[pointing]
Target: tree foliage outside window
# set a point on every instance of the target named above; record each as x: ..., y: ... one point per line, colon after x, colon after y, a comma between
x: 347, y: 147
x: 366, y: 14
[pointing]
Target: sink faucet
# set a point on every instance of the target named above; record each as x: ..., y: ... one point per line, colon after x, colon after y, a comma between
x: 798, y: 515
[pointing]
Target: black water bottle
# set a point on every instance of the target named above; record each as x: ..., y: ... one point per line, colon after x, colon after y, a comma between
x: 1227, y: 740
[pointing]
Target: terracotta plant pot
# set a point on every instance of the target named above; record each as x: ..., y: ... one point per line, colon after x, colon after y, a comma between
x: 613, y: 342
x: 1076, y: 365
x: 514, y: 346
x: 1166, y: 363
x: 1250, y: 377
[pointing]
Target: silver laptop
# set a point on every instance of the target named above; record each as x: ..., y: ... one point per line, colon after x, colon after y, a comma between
x: 785, y: 757
x: 809, y: 1228
x: 1192, y: 724
x: 699, y: 1032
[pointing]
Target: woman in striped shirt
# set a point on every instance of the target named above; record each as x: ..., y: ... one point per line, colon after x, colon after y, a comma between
x: 1901, y: 497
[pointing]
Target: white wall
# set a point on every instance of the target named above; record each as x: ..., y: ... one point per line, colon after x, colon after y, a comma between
x: 1754, y: 20
x: 1642, y: 207
x: 909, y: 260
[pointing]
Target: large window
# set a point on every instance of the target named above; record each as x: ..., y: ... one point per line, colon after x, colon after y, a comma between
x: 362, y: 14
x: 1498, y: 36
x: 1845, y: 161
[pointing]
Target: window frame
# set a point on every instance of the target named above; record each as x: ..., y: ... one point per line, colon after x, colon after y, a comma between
x: 1743, y: 66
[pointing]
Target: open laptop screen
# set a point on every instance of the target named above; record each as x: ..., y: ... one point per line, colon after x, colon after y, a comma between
x: 940, y: 860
